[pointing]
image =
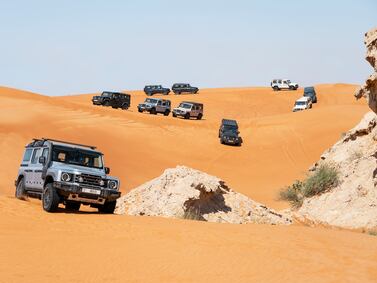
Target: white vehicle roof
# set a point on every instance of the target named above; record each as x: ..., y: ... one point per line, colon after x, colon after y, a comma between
x: 303, y: 99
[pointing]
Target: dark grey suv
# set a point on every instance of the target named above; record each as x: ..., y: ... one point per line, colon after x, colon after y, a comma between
x: 156, y: 89
x: 113, y: 99
x: 184, y: 88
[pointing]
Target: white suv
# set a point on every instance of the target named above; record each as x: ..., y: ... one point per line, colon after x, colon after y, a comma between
x: 279, y: 84
x: 302, y: 103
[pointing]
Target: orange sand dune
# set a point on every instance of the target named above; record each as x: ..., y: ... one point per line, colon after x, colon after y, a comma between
x: 278, y: 147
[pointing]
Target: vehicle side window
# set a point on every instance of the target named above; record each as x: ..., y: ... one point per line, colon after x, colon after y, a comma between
x: 159, y: 103
x: 27, y: 155
x: 279, y: 81
x: 45, y: 153
x: 284, y: 82
x: 36, y: 154
x: 164, y: 103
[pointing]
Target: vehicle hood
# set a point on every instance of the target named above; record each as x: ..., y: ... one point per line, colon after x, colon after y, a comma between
x: 230, y: 134
x: 96, y: 97
x: 181, y: 109
x: 299, y: 107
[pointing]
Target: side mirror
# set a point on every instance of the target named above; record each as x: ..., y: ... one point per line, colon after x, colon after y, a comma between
x: 238, y: 132
x: 107, y: 170
x: 42, y: 160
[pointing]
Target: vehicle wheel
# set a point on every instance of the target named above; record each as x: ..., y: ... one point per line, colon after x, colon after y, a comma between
x: 200, y: 116
x: 106, y: 103
x: 174, y: 115
x: 107, y: 207
x: 124, y: 106
x: 221, y: 141
x: 114, y: 107
x: 187, y: 116
x: 72, y: 206
x: 166, y: 113
x: 276, y: 88
x: 153, y: 111
x: 139, y: 110
x: 20, y: 190
x: 50, y: 198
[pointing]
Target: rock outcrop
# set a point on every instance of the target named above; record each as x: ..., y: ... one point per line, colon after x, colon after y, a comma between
x: 183, y: 192
x: 353, y: 203
x: 369, y: 89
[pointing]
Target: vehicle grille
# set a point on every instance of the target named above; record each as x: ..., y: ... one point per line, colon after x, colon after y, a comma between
x: 88, y: 179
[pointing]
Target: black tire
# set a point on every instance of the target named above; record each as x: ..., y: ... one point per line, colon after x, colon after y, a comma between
x: 153, y: 111
x: 139, y: 110
x: 50, y: 198
x: 20, y: 192
x: 115, y: 107
x: 174, y: 115
x: 275, y: 88
x: 107, y: 207
x: 166, y: 113
x: 200, y: 116
x: 195, y: 92
x: 72, y: 206
x: 106, y: 103
x: 187, y: 116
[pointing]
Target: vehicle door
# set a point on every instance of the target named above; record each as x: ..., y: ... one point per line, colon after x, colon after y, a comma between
x: 40, y: 168
x: 116, y: 100
x: 194, y: 110
x: 280, y: 83
x: 159, y: 106
x: 34, y: 168
x: 285, y: 84
x: 27, y: 171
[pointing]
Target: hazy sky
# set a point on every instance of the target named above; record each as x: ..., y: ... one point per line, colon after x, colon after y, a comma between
x: 64, y: 47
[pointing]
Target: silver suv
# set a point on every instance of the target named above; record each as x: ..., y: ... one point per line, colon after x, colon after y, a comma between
x: 187, y: 109
x: 63, y: 172
x: 155, y: 105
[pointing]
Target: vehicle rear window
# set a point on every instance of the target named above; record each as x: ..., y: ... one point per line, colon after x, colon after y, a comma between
x: 27, y: 154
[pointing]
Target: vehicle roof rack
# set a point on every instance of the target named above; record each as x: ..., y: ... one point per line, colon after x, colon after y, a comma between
x: 78, y: 144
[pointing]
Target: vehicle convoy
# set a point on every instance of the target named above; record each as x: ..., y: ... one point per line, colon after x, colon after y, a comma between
x: 279, y: 84
x: 310, y: 92
x: 63, y: 172
x: 113, y: 99
x: 155, y: 105
x: 184, y: 88
x: 302, y: 103
x: 187, y: 109
x: 229, y: 133
x: 156, y: 89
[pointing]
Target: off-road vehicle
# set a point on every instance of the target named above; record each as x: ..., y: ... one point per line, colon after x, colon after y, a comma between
x: 229, y: 133
x: 113, y: 99
x: 310, y: 92
x: 279, y: 84
x: 302, y: 103
x: 155, y: 105
x: 187, y: 109
x: 184, y: 88
x: 63, y: 172
x: 156, y: 89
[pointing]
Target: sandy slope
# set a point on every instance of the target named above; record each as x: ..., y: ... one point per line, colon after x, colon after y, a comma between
x: 278, y: 148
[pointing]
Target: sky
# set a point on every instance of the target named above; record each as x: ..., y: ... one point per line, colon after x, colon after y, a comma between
x: 70, y: 47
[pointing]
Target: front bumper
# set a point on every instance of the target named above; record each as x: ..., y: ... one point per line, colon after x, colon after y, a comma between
x: 96, y: 102
x: 179, y: 113
x: 93, y: 194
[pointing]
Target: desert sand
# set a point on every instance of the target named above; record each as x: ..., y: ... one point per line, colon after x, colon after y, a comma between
x: 278, y: 148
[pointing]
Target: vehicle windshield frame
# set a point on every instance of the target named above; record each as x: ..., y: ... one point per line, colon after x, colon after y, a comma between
x: 181, y: 105
x: 106, y: 94
x: 75, y: 154
x: 300, y: 103
x: 151, y: 100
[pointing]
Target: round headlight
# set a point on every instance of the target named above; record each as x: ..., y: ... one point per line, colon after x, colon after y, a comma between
x: 113, y: 185
x: 66, y: 177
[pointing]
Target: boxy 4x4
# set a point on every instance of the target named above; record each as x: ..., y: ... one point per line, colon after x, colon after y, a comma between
x: 154, y: 106
x: 156, y: 89
x: 229, y: 133
x: 113, y: 99
x: 283, y: 84
x: 187, y: 109
x: 184, y: 88
x: 62, y: 172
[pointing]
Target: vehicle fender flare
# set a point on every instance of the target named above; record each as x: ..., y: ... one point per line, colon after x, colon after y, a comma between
x: 19, y: 178
x: 49, y: 179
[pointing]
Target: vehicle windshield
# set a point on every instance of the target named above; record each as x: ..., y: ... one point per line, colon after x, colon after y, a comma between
x: 300, y: 103
x: 288, y: 81
x: 106, y: 94
x: 185, y: 105
x: 308, y: 90
x: 230, y: 128
x: 151, y: 100
x: 75, y: 156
